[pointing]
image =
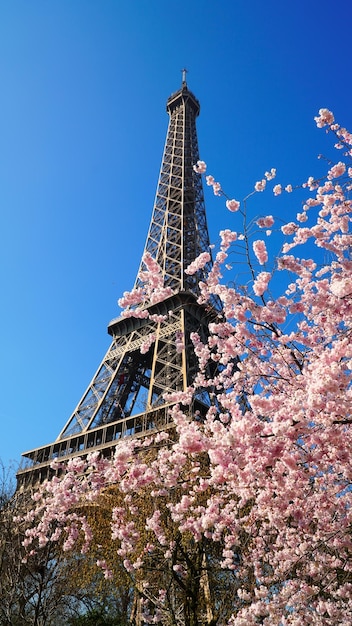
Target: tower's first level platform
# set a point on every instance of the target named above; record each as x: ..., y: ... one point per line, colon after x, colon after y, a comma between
x: 37, y: 463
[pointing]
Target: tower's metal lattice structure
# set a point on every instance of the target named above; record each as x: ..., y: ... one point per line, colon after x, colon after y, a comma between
x: 126, y: 395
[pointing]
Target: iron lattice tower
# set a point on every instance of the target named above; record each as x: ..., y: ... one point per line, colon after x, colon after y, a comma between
x: 126, y: 395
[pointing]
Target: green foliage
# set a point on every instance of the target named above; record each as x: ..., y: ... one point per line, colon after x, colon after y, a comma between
x: 96, y: 617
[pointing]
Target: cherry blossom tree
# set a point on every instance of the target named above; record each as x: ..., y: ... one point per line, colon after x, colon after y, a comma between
x: 243, y: 517
x: 32, y: 591
x: 51, y: 587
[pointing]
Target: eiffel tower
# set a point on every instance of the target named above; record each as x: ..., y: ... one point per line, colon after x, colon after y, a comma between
x: 126, y: 395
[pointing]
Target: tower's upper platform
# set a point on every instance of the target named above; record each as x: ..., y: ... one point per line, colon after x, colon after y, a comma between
x: 183, y: 97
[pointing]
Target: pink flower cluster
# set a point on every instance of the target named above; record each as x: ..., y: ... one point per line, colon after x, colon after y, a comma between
x: 151, y: 291
x: 270, y: 175
x: 265, y: 222
x: 341, y: 286
x: 131, y: 298
x: 337, y: 170
x: 200, y: 167
x: 325, y: 118
x: 211, y: 182
x: 199, y: 263
x: 180, y: 342
x: 260, y: 251
x: 233, y: 205
x: 261, y: 282
x: 260, y: 185
x: 147, y: 343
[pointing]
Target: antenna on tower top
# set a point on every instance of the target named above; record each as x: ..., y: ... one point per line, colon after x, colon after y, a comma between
x: 184, y: 72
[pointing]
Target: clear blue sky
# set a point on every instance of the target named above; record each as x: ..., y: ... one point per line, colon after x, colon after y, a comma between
x: 82, y: 127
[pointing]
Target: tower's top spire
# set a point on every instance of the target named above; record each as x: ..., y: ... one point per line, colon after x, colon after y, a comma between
x: 183, y: 97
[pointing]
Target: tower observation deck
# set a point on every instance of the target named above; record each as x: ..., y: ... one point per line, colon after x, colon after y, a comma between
x: 126, y: 395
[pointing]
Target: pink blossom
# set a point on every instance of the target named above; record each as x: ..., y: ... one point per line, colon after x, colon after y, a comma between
x: 131, y: 298
x: 288, y: 188
x: 217, y: 189
x: 261, y: 283
x: 337, y: 170
x: 270, y: 175
x: 227, y: 238
x: 302, y: 217
x: 325, y: 118
x: 151, y: 264
x: 341, y: 287
x: 260, y: 251
x: 103, y: 565
x: 137, y: 313
x: 311, y: 183
x: 158, y: 319
x: 159, y: 294
x: 265, y: 222
x: 289, y: 229
x: 232, y: 205
x: 277, y: 190
x: 260, y: 185
x: 212, y: 183
x: 200, y: 167
x: 199, y: 263
x: 345, y: 223
x: 180, y: 342
x: 150, y: 339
